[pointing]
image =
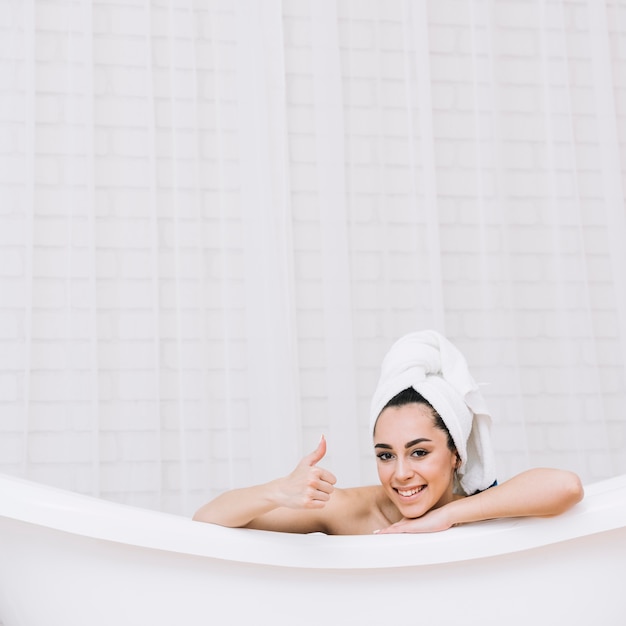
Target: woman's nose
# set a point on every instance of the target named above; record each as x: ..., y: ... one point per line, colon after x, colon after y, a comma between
x: 403, y: 469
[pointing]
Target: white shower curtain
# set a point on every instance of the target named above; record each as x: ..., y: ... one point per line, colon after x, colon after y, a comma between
x: 216, y: 216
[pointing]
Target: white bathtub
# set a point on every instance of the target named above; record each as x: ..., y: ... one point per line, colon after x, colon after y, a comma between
x: 72, y: 560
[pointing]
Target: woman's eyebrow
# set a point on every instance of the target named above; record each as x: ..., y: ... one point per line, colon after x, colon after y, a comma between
x: 415, y: 442
x: 409, y: 444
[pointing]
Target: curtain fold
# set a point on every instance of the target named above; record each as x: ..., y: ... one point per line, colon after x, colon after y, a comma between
x: 337, y: 335
x: 216, y: 217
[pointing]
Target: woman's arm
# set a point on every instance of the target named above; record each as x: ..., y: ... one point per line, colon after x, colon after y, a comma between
x: 287, y: 504
x: 536, y: 492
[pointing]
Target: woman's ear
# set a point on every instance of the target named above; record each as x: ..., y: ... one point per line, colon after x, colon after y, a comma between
x: 458, y: 461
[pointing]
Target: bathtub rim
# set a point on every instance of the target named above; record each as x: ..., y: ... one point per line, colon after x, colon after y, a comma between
x: 603, y: 509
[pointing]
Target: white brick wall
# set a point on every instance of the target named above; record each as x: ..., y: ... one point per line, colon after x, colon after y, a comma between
x: 132, y: 307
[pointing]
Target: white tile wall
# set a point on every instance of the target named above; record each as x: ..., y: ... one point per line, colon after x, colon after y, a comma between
x: 494, y: 208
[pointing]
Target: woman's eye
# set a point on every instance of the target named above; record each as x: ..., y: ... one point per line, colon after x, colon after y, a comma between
x: 384, y: 456
x: 419, y: 452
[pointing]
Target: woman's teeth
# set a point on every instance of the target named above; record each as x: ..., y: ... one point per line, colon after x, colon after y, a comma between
x: 410, y: 492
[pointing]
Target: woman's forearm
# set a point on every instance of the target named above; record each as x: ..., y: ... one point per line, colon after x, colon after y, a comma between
x: 536, y: 492
x: 239, y: 507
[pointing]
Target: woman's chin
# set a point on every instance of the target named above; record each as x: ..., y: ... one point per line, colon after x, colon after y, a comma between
x: 411, y: 510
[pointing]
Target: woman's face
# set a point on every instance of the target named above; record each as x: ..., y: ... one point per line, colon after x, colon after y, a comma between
x: 415, y: 465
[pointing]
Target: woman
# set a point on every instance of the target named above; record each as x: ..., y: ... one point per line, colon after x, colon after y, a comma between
x: 431, y: 436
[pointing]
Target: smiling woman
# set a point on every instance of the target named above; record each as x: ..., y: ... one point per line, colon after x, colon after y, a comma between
x: 431, y: 435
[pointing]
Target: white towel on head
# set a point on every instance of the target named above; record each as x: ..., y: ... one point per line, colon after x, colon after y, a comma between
x: 435, y: 368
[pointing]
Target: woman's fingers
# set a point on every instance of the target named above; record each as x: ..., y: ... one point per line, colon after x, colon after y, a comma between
x: 433, y: 521
x: 320, y: 479
x: 321, y: 485
x: 394, y: 528
x: 309, y: 486
x: 326, y: 480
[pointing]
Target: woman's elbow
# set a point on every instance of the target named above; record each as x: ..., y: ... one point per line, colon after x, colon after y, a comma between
x: 572, y: 491
x: 202, y: 515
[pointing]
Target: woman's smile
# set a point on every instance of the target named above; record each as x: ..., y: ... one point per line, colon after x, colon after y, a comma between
x: 408, y: 493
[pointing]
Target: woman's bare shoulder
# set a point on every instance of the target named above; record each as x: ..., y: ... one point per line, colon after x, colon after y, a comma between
x: 356, y: 510
x: 367, y: 492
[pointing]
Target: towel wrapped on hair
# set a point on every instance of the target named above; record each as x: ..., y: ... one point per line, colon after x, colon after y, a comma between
x: 436, y: 369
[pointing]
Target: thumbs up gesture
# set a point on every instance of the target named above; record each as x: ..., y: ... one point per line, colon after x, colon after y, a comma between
x: 308, y: 486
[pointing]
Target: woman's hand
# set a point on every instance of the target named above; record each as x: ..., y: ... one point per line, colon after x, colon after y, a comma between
x: 433, y: 521
x: 308, y: 486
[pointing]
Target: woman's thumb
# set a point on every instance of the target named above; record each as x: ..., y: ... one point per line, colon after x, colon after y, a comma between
x: 318, y: 454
